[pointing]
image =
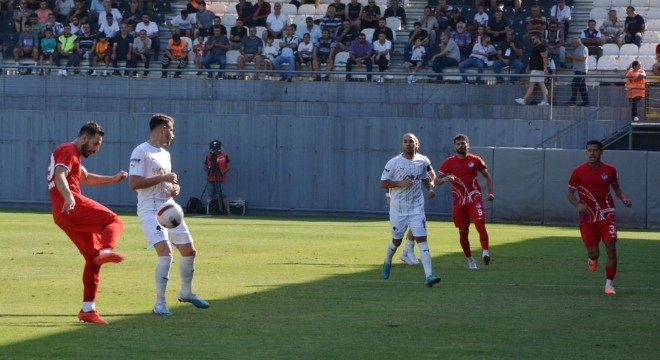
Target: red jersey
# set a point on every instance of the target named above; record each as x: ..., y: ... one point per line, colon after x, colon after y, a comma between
x: 593, y: 187
x: 221, y: 162
x: 66, y: 155
x: 465, y: 189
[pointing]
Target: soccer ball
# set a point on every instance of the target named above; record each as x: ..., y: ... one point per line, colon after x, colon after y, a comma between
x: 170, y: 215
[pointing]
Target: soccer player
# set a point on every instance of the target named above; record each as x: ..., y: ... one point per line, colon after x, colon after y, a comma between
x: 403, y: 176
x: 92, y: 227
x: 592, y: 181
x: 151, y: 176
x: 461, y: 169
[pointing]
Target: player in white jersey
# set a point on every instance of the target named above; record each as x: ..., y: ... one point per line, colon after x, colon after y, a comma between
x: 151, y: 175
x: 403, y: 176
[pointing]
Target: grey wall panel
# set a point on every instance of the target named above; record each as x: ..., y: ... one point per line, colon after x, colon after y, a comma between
x: 557, y: 170
x: 632, y: 179
x: 652, y: 190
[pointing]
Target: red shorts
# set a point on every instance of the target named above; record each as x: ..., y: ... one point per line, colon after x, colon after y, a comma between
x: 593, y: 232
x: 462, y: 214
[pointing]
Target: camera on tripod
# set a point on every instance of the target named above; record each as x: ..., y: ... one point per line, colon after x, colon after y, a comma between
x: 215, y: 146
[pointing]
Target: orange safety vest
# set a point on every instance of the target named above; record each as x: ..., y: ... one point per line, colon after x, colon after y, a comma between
x: 635, y: 86
x: 177, y: 49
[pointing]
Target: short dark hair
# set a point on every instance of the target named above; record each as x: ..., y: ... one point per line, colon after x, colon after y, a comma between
x: 91, y: 128
x: 595, y: 142
x: 160, y: 119
x: 461, y: 137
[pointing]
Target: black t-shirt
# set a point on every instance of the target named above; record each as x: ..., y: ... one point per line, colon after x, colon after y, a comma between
x: 123, y: 44
x: 236, y: 31
x: 535, y: 59
x: 634, y: 24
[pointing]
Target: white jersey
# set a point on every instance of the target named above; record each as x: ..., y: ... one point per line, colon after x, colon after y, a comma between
x: 410, y: 200
x: 146, y: 161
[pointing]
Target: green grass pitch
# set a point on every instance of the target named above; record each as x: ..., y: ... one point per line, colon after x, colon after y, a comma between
x: 306, y: 288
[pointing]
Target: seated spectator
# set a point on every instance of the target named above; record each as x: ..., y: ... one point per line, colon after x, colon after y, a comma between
x: 508, y: 3
x: 199, y: 52
x: 216, y: 47
x: 277, y: 22
x: 332, y: 22
x: 62, y: 10
x: 27, y: 44
x: 443, y: 13
x: 396, y: 9
x: 346, y: 35
x: 133, y: 15
x: 634, y: 27
x: 462, y: 38
x: 204, y: 19
x: 269, y: 53
x: 122, y: 49
x: 340, y: 9
x: 509, y: 54
x: 142, y: 51
x: 416, y: 33
x: 324, y: 53
x: 109, y: 10
x: 20, y: 16
x: 176, y: 52
x: 310, y: 28
x: 455, y: 19
x: 416, y: 60
x: 102, y: 51
x: 79, y: 10
x: 481, y: 52
x: 76, y: 25
x: 244, y: 12
x: 445, y: 54
x: 305, y: 53
x: 382, y: 28
x: 110, y: 26
x: 237, y: 33
x: 56, y: 27
x: 183, y: 23
x: 42, y: 13
x: 370, y: 15
x: 475, y: 38
x: 46, y: 49
x: 612, y: 29
x: 562, y: 15
x: 288, y: 48
x: 152, y: 32
x: 591, y: 39
x: 382, y: 50
x: 66, y: 48
x: 260, y: 11
x: 498, y: 27
x: 37, y: 27
x: 359, y: 55
x: 480, y: 17
x: 429, y: 23
x: 535, y: 23
x: 84, y: 47
x: 554, y: 39
x: 251, y: 50
x: 353, y: 13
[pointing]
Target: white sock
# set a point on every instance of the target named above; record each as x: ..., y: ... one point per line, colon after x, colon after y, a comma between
x: 88, y: 306
x: 609, y: 283
x: 162, y: 275
x: 484, y: 253
x: 391, y: 249
x: 410, y: 246
x: 186, y: 270
x: 425, y: 256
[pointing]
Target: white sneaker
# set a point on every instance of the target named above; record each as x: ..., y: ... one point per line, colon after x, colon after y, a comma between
x: 105, y: 73
x: 636, y: 118
x: 414, y: 78
x: 94, y: 73
x: 543, y: 103
x: 408, y: 258
x: 520, y: 101
x: 65, y: 73
x: 410, y: 77
x: 59, y: 72
x: 472, y: 265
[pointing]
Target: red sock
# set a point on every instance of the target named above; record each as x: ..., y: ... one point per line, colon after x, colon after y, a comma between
x: 90, y: 279
x: 465, y: 243
x: 610, y: 273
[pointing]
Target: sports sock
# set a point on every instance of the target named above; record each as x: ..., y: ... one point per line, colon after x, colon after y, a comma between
x: 88, y: 306
x: 425, y: 255
x: 409, y: 246
x: 465, y: 243
x: 162, y: 275
x: 186, y: 270
x: 391, y: 249
x: 610, y: 272
x: 609, y: 283
x: 485, y: 253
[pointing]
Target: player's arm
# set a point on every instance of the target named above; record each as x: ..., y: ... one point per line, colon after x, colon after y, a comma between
x: 63, y: 187
x: 90, y: 179
x: 136, y: 182
x: 489, y: 184
x: 443, y: 178
x: 575, y: 201
x: 388, y: 184
x: 619, y: 193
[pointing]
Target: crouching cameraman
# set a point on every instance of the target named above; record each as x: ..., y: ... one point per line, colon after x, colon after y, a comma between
x: 217, y: 165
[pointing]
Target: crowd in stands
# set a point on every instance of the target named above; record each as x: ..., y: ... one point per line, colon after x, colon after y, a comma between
x: 493, y: 33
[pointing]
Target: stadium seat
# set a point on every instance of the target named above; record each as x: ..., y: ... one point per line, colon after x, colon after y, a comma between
x: 322, y: 9
x: 592, y: 62
x: 610, y: 49
x: 598, y: 14
x: 341, y: 58
x: 232, y: 59
x: 647, y: 62
x: 652, y: 37
x: 306, y: 9
x: 299, y: 20
x: 228, y: 19
x: 640, y: 3
x: 647, y: 49
x: 623, y: 63
x: 381, y: 2
x: 393, y: 23
x: 290, y: 9
x: 607, y: 63
x: 629, y: 50
x: 369, y: 32
x: 217, y: 8
x: 620, y: 3
x: 230, y: 8
x: 603, y: 3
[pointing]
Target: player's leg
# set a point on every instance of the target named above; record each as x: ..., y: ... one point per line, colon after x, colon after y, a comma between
x: 398, y: 226
x: 478, y: 216
x: 157, y: 237
x: 181, y: 238
x: 608, y: 234
x: 408, y: 253
x: 461, y: 217
x: 590, y: 238
x: 417, y: 225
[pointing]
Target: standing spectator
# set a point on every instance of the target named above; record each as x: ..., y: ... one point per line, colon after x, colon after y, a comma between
x: 204, y: 19
x: 27, y: 44
x: 382, y: 28
x: 445, y: 54
x: 47, y: 46
x: 260, y: 11
x: 591, y: 39
x: 62, y: 9
x: 142, y: 51
x: 612, y: 29
x: 122, y: 49
x: 20, y: 16
x: 288, y: 48
x: 102, y: 51
x: 134, y: 15
x: 276, y: 22
x: 216, y: 166
x: 359, y: 55
x: 66, y: 48
x: 481, y: 52
x: 216, y: 48
x: 183, y: 23
x: 462, y: 39
x: 592, y: 181
x: 404, y: 176
x: 554, y: 39
x: 461, y: 170
x: 236, y: 35
x: 353, y: 13
x: 497, y: 27
x: 332, y: 22
x: 635, y: 87
x: 151, y: 176
x: 251, y: 49
x: 92, y: 227
x: 509, y: 53
x: 396, y: 9
x: 370, y: 15
x: 538, y: 67
x: 310, y: 28
x: 634, y: 27
x: 562, y: 15
x: 579, y: 57
x: 176, y: 52
x: 382, y: 51
x: 416, y: 60
x: 429, y: 23
x: 324, y: 53
x: 244, y: 12
x: 152, y: 32
x: 85, y: 47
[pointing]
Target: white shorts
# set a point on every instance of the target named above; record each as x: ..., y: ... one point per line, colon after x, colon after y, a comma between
x: 534, y: 78
x: 156, y: 233
x: 400, y: 223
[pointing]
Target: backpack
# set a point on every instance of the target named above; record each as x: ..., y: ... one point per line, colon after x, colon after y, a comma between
x: 195, y: 206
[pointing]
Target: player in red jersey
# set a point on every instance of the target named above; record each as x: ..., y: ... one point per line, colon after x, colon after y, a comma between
x: 592, y: 181
x: 92, y: 227
x: 461, y: 169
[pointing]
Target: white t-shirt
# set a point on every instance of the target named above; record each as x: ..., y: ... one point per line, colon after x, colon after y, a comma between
x: 277, y: 23
x: 270, y: 52
x: 306, y: 47
x: 481, y: 18
x: 146, y: 161
x: 378, y: 47
x: 187, y: 23
x: 151, y: 29
x: 109, y: 30
x: 410, y: 200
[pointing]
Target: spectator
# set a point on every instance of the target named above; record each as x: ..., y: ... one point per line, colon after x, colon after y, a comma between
x: 475, y: 38
x: 251, y: 50
x: 46, y: 49
x: 237, y: 33
x: 310, y: 28
x: 462, y: 38
x: 612, y: 29
x: 538, y: 66
x: 455, y: 19
x: 353, y: 13
x: 102, y: 51
x: 108, y: 9
x: 370, y: 15
x: 562, y: 15
x: 332, y: 22
x: 396, y: 9
x: 204, y: 20
x: 152, y: 32
x: 216, y: 48
x: 535, y: 23
x: 509, y: 3
x: 443, y: 13
x: 288, y: 48
x: 634, y: 27
x: 497, y: 27
x: 260, y: 11
x: 269, y: 52
x: 79, y: 10
x: 244, y: 12
x: 479, y: 58
x: 277, y: 21
x: 122, y: 49
x: 217, y: 165
x: 554, y: 38
x: 20, y: 16
x: 509, y: 53
x: 95, y: 10
x: 324, y: 53
x: 656, y: 66
x: 217, y: 21
x: 27, y: 44
x: 110, y: 26
x: 75, y: 25
x: 591, y: 39
x: 134, y: 15
x: 340, y: 9
x: 305, y: 53
x: 142, y: 51
x: 480, y: 18
x: 346, y: 35
x: 382, y: 28
x: 416, y: 33
x: 429, y: 23
x: 85, y: 47
x: 382, y: 51
x: 37, y: 27
x: 42, y: 13
x: 579, y: 57
x: 66, y: 48
x: 359, y: 55
x: 56, y: 27
x: 199, y: 52
x: 183, y: 23
x: 635, y: 87
x: 416, y: 61
x: 176, y: 52
x: 62, y: 10
x: 445, y: 54
x: 192, y: 6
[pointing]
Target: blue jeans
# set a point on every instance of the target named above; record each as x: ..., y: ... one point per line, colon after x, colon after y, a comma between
x: 213, y: 59
x: 277, y: 64
x: 633, y: 39
x: 71, y: 58
x: 516, y: 64
x: 471, y: 62
x: 442, y: 62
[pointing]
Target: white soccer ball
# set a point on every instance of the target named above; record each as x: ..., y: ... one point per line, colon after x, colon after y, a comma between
x: 170, y: 215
